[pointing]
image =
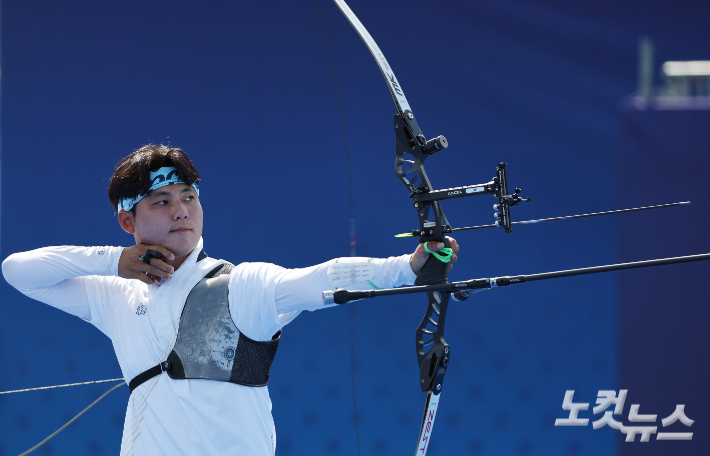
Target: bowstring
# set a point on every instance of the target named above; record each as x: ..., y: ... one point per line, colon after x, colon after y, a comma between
x: 61, y: 386
x: 77, y: 416
x: 352, y: 223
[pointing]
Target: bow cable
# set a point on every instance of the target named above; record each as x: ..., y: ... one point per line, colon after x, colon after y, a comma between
x: 77, y: 416
x: 61, y: 386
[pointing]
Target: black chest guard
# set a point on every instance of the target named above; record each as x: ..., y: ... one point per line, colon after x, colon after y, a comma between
x: 209, y: 346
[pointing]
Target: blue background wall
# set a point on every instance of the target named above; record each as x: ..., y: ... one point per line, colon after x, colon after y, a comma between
x: 245, y: 89
x: 663, y: 312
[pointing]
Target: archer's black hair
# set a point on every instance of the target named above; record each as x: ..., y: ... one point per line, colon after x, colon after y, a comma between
x: 131, y: 176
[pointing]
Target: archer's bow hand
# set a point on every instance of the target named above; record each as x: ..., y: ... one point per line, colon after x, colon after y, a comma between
x: 420, y: 255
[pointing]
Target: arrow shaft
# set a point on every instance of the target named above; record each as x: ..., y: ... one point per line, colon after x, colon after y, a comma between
x: 594, y: 214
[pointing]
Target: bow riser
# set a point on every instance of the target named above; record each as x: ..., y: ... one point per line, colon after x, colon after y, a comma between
x: 433, y: 353
x: 410, y: 171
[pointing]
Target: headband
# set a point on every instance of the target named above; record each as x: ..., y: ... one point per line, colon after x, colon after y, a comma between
x: 166, y: 175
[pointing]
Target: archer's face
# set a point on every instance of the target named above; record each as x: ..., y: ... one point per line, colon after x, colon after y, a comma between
x: 170, y: 216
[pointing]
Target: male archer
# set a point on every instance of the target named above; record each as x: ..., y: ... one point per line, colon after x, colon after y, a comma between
x: 194, y: 336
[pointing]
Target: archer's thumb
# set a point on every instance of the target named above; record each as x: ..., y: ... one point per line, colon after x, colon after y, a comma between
x: 436, y: 246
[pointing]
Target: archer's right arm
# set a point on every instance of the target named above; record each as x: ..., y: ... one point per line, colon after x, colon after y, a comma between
x: 59, y: 276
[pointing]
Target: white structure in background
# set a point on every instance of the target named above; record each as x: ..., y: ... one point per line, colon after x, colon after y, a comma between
x: 687, y: 84
x: 686, y: 79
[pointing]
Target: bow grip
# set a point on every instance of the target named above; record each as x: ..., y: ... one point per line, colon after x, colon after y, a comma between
x: 434, y: 270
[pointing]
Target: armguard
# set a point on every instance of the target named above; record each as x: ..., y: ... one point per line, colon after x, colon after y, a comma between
x: 347, y: 271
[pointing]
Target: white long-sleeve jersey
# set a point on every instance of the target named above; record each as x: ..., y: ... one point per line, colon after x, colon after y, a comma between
x: 189, y: 417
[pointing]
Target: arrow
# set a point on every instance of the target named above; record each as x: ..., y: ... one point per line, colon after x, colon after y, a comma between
x: 528, y: 222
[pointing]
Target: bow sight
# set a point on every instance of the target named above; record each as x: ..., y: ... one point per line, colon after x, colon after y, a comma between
x: 413, y: 176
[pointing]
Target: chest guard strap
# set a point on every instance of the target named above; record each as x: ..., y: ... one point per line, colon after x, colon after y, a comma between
x: 209, y: 345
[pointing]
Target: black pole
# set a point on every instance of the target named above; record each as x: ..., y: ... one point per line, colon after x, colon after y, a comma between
x: 461, y: 288
x: 615, y: 267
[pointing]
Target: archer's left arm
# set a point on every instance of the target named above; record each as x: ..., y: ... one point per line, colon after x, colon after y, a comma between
x: 301, y: 289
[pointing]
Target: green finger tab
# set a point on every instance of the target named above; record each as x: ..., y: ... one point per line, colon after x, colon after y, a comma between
x: 444, y: 255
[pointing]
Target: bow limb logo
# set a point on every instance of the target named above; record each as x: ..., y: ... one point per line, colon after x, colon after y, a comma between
x: 395, y: 84
x: 384, y: 61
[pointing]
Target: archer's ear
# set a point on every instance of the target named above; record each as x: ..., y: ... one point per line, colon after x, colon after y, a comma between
x: 126, y: 220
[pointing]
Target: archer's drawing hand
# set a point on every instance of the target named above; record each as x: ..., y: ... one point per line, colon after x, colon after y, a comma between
x: 420, y: 256
x: 131, y: 266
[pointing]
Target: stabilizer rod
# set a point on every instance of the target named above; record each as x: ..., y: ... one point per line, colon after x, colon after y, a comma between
x: 461, y: 289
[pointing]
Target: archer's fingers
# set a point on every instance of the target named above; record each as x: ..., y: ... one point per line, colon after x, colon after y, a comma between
x: 163, y: 251
x: 150, y: 269
x: 453, y: 244
x: 143, y: 278
x: 161, y: 264
x: 435, y: 246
